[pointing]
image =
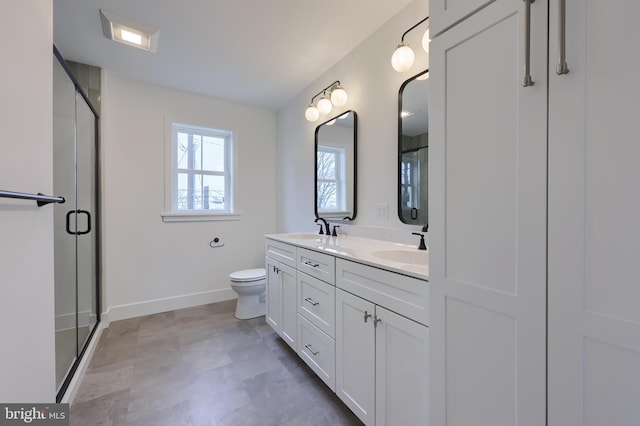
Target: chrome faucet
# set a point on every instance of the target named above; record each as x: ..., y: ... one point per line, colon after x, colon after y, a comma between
x: 326, y: 226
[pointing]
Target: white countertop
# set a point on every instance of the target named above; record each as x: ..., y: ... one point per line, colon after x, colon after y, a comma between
x: 407, y: 259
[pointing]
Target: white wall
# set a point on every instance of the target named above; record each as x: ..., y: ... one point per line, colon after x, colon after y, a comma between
x: 27, y: 354
x: 149, y: 265
x: 373, y: 87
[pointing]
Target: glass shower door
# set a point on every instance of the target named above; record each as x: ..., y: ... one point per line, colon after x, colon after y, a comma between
x: 85, y: 219
x: 64, y: 178
x: 75, y: 230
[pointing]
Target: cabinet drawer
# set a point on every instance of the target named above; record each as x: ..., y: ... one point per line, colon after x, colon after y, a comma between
x: 317, y: 303
x: 404, y: 295
x: 318, y: 351
x: 318, y: 265
x: 282, y: 252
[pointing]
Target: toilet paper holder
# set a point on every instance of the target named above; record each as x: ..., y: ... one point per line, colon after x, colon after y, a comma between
x: 216, y: 243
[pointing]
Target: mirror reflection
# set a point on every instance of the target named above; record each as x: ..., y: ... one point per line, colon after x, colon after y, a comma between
x: 335, y: 160
x: 413, y: 150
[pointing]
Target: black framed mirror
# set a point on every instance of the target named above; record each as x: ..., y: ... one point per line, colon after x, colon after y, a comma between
x: 335, y: 167
x: 413, y: 150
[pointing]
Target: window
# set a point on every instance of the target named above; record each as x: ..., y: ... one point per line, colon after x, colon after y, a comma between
x: 331, y: 179
x: 201, y: 171
x: 410, y: 180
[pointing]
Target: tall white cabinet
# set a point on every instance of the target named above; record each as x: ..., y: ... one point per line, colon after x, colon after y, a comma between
x: 594, y: 217
x: 534, y: 214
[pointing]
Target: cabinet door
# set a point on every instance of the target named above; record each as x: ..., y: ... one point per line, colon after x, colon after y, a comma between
x: 355, y: 355
x: 402, y: 349
x: 487, y: 188
x: 288, y: 284
x: 274, y: 296
x: 445, y: 13
x: 594, y: 209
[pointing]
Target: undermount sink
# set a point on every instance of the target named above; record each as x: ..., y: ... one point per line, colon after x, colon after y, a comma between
x: 304, y: 236
x: 404, y: 256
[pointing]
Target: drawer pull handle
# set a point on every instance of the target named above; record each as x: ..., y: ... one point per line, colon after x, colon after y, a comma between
x: 310, y: 300
x: 366, y: 315
x: 310, y: 348
x: 310, y: 263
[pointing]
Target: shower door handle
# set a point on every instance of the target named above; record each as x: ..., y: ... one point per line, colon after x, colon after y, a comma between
x: 68, y: 222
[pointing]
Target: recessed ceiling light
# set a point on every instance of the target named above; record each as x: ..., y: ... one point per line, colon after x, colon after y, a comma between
x: 131, y: 33
x: 131, y: 37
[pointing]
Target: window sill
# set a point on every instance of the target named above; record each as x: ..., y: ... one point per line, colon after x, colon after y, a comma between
x: 198, y: 216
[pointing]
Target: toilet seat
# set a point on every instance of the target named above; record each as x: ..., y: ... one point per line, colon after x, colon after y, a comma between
x: 248, y: 275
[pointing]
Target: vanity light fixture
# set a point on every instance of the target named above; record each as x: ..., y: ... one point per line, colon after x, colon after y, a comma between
x: 337, y: 97
x: 403, y: 57
x: 324, y: 105
x: 126, y: 31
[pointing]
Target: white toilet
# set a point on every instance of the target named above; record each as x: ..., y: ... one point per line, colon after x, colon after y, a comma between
x: 250, y: 284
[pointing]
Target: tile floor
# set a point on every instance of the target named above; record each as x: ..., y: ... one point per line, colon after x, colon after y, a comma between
x: 201, y: 366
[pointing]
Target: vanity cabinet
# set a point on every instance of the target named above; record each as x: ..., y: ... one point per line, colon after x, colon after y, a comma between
x: 381, y: 356
x: 533, y: 213
x: 281, y: 290
x: 361, y: 329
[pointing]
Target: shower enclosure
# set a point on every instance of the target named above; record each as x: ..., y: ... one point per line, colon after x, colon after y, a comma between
x: 75, y: 177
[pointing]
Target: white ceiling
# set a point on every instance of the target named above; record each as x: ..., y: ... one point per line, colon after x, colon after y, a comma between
x: 257, y: 52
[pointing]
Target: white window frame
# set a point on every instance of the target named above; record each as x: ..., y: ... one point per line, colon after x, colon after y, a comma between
x: 340, y: 178
x: 172, y: 213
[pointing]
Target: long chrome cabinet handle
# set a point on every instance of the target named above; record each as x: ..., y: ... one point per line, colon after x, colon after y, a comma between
x: 527, y: 81
x: 310, y: 263
x: 310, y: 300
x: 562, y: 67
x: 310, y: 348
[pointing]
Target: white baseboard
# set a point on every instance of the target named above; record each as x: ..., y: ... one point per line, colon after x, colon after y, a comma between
x: 132, y: 310
x: 74, y: 384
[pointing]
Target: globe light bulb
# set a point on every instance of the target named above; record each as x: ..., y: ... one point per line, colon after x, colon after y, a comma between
x: 311, y: 113
x: 339, y: 96
x: 426, y: 40
x: 324, y: 105
x: 402, y: 58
